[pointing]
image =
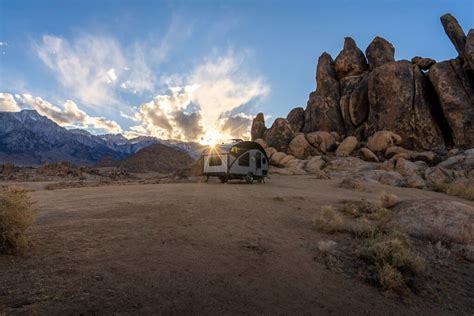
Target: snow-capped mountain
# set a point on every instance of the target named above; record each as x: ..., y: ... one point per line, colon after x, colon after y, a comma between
x: 28, y: 138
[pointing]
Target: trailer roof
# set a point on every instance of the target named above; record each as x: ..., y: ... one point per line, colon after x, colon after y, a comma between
x: 225, y: 148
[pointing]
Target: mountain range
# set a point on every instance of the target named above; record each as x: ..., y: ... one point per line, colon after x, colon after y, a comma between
x: 28, y: 138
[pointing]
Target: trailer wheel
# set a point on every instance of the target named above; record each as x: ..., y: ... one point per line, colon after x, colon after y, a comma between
x: 223, y: 179
x: 249, y: 178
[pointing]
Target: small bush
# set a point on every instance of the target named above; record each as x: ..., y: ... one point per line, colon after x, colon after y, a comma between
x: 462, y: 190
x: 16, y: 217
x: 388, y: 200
x: 328, y: 220
x: 394, y: 260
x: 391, y: 279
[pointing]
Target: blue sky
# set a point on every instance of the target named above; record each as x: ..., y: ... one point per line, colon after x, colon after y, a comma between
x: 117, y: 60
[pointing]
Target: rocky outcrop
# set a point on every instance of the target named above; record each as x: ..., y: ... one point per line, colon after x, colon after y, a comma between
x: 456, y: 103
x: 258, y: 127
x: 296, y: 119
x: 350, y: 61
x: 279, y: 135
x: 429, y: 105
x: 300, y: 148
x: 322, y: 111
x: 399, y: 103
x: 382, y: 140
x: 379, y: 52
x: 454, y: 32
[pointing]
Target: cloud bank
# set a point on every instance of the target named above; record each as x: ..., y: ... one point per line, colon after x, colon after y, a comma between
x: 67, y: 116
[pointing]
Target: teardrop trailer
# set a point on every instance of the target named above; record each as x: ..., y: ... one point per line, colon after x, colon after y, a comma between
x: 241, y: 160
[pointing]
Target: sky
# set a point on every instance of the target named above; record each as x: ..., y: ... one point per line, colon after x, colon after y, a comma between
x: 193, y: 70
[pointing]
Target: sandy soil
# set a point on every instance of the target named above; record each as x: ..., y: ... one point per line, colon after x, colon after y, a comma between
x: 195, y: 247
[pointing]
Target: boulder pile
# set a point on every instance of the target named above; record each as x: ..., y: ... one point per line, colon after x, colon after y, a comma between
x: 373, y: 101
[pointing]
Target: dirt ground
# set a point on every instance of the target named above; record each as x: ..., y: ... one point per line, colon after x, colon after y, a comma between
x: 198, y: 248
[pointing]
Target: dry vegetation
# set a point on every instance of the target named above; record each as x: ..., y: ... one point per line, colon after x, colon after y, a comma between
x: 462, y: 190
x: 387, y: 251
x: 16, y: 217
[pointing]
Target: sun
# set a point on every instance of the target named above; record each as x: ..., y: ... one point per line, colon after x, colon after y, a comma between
x: 213, y: 137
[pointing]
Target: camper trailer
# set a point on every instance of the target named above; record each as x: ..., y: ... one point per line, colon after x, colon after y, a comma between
x: 238, y: 160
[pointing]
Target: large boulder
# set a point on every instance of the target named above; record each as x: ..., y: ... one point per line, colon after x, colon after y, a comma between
x: 314, y: 164
x: 456, y: 101
x: 322, y: 111
x: 379, y: 52
x: 454, y: 32
x: 382, y: 140
x: 296, y: 119
x: 300, y: 148
x: 277, y: 157
x: 398, y: 100
x: 279, y: 135
x: 444, y: 220
x: 258, y: 127
x: 347, y: 146
x: 261, y: 142
x: 323, y: 141
x: 368, y: 155
x: 350, y: 61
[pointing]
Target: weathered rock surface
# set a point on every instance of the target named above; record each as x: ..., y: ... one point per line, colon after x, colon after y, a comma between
x: 323, y: 141
x: 300, y: 148
x: 436, y: 219
x: 296, y: 119
x: 314, y: 164
x: 347, y: 146
x: 423, y: 63
x: 454, y: 32
x: 322, y: 112
x: 398, y: 101
x: 382, y: 140
x: 258, y: 127
x: 379, y: 52
x: 350, y: 61
x: 469, y: 49
x: 279, y: 135
x: 455, y: 101
x: 368, y: 155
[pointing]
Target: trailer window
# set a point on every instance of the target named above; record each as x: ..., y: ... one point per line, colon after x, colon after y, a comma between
x: 215, y: 161
x: 244, y: 160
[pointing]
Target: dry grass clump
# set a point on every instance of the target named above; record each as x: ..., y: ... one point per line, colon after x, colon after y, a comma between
x: 329, y: 220
x: 388, y: 200
x: 387, y: 252
x: 16, y: 216
x: 351, y: 184
x: 394, y: 261
x: 462, y: 190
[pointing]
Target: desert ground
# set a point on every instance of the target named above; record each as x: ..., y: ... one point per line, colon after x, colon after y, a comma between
x: 182, y: 248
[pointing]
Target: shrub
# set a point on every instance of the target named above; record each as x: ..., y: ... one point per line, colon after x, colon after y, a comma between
x: 394, y: 260
x: 16, y: 217
x: 462, y: 190
x: 388, y: 200
x: 328, y: 220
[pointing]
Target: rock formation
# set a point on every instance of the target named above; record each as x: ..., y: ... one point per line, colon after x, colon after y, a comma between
x: 258, y: 127
x: 427, y: 104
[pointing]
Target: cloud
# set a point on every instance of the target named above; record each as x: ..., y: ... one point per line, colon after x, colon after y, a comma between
x: 215, y: 88
x: 8, y: 103
x: 92, y: 68
x: 166, y: 116
x: 69, y: 116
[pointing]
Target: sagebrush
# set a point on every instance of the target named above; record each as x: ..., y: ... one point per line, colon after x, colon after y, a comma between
x: 16, y: 217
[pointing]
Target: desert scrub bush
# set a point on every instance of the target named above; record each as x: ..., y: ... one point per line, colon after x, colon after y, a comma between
x: 388, y: 200
x: 462, y: 190
x: 16, y: 216
x: 328, y: 220
x: 394, y: 261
